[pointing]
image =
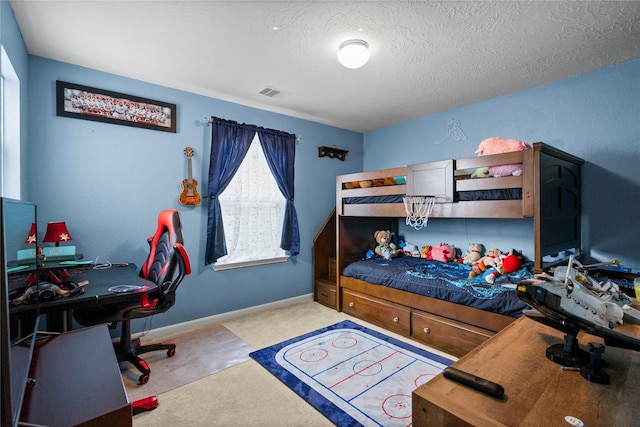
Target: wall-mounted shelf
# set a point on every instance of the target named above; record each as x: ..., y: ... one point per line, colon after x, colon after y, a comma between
x: 332, y: 152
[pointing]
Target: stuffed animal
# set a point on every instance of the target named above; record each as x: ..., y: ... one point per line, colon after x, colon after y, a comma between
x: 425, y: 252
x: 477, y: 269
x: 482, y: 172
x: 497, y: 145
x: 443, y: 252
x: 508, y: 264
x: 488, y: 261
x: 385, y: 247
x: 412, y: 250
x: 492, y: 257
x: 474, y: 254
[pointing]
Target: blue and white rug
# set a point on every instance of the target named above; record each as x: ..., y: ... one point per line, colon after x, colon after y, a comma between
x: 353, y: 375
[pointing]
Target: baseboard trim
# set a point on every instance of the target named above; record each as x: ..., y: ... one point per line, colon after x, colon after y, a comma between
x: 216, y: 318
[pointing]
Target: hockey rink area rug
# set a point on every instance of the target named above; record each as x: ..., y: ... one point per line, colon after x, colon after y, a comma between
x: 353, y: 375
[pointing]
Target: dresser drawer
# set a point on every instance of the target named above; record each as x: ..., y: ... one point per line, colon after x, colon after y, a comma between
x: 325, y: 292
x: 390, y: 316
x: 448, y: 335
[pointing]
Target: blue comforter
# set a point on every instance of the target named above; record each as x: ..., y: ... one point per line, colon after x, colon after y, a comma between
x: 445, y: 281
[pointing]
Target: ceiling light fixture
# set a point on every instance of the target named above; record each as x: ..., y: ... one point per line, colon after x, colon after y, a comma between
x: 353, y: 53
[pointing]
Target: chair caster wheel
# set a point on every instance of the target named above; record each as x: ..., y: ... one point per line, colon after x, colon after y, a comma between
x: 144, y: 378
x: 171, y: 352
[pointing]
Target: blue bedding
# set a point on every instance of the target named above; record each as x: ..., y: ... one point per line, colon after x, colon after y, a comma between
x: 444, y: 281
x: 505, y: 194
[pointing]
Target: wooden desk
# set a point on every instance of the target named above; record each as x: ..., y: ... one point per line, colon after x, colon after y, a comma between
x: 537, y: 391
x: 77, y: 382
x: 58, y: 311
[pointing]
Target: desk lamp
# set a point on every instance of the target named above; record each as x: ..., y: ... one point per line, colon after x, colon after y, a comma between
x: 31, y: 240
x: 57, y: 232
x: 31, y: 237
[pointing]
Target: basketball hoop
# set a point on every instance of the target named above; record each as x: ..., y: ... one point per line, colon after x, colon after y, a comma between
x: 418, y: 210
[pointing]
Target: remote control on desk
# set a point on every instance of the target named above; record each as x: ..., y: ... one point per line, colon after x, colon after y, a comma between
x: 477, y: 383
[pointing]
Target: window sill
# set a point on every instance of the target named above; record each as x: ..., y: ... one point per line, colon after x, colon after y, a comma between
x: 229, y: 266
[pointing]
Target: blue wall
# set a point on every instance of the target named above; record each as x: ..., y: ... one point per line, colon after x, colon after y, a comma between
x: 595, y: 116
x: 108, y: 182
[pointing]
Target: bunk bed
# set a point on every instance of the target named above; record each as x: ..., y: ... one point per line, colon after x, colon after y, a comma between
x: 547, y: 193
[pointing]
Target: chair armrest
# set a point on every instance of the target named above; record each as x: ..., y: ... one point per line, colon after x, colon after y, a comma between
x: 185, y: 258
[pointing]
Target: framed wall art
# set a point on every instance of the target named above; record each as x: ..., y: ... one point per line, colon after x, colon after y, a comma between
x: 89, y: 103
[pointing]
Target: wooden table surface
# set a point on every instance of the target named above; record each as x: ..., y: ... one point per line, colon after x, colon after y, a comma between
x: 537, y: 391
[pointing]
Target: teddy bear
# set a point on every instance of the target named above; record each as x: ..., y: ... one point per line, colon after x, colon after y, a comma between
x: 474, y: 254
x: 443, y: 252
x: 385, y: 247
x: 488, y: 261
x: 496, y: 145
x: 492, y: 257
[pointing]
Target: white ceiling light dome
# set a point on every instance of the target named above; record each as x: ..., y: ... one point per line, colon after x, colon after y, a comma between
x: 353, y: 53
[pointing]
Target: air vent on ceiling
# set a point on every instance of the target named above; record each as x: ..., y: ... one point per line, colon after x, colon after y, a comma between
x: 272, y: 92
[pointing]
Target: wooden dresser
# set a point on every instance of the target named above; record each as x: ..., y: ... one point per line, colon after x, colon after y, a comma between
x: 537, y: 391
x: 77, y: 382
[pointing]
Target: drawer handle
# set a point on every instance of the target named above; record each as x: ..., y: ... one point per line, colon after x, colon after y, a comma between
x: 324, y: 295
x: 351, y: 304
x: 426, y: 330
x: 396, y: 320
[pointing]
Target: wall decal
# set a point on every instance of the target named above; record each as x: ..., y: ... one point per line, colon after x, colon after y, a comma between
x: 454, y: 131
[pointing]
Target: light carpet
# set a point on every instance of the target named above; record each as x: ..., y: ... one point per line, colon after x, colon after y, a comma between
x: 199, y: 352
x: 353, y: 375
x: 247, y: 395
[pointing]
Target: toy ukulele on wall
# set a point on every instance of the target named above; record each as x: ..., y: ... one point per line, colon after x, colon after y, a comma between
x: 189, y: 195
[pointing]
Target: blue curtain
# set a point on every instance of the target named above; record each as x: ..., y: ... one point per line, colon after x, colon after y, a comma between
x: 230, y: 142
x: 280, y: 150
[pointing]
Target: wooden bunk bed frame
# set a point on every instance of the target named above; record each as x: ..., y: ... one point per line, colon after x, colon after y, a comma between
x: 550, y: 185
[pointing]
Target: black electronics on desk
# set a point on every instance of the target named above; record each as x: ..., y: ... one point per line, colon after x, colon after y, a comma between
x: 16, y: 345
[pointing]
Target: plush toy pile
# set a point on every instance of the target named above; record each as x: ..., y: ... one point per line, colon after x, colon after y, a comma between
x: 495, y: 264
x: 497, y: 145
x: 485, y: 266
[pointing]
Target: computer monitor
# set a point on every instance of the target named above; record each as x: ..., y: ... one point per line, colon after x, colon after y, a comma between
x: 16, y: 343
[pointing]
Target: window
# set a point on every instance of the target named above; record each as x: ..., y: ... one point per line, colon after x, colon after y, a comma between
x: 252, y: 210
x: 230, y: 143
x: 9, y: 129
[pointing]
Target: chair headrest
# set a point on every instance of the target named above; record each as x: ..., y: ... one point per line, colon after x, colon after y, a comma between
x: 168, y: 235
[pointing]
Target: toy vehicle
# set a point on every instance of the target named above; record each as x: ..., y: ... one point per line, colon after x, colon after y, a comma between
x: 571, y: 301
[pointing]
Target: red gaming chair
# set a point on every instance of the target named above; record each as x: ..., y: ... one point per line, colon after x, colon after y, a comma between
x: 166, y: 265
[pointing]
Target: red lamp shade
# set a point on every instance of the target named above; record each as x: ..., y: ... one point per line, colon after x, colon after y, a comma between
x: 57, y: 232
x: 31, y: 237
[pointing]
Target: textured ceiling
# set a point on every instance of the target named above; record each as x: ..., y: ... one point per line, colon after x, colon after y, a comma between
x: 426, y: 56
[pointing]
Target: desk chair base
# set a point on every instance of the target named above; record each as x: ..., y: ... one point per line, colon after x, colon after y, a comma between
x: 127, y: 350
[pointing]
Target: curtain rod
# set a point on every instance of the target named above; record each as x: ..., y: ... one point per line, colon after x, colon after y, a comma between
x: 213, y: 119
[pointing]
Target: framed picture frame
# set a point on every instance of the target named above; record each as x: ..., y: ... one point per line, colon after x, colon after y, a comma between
x: 89, y: 103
